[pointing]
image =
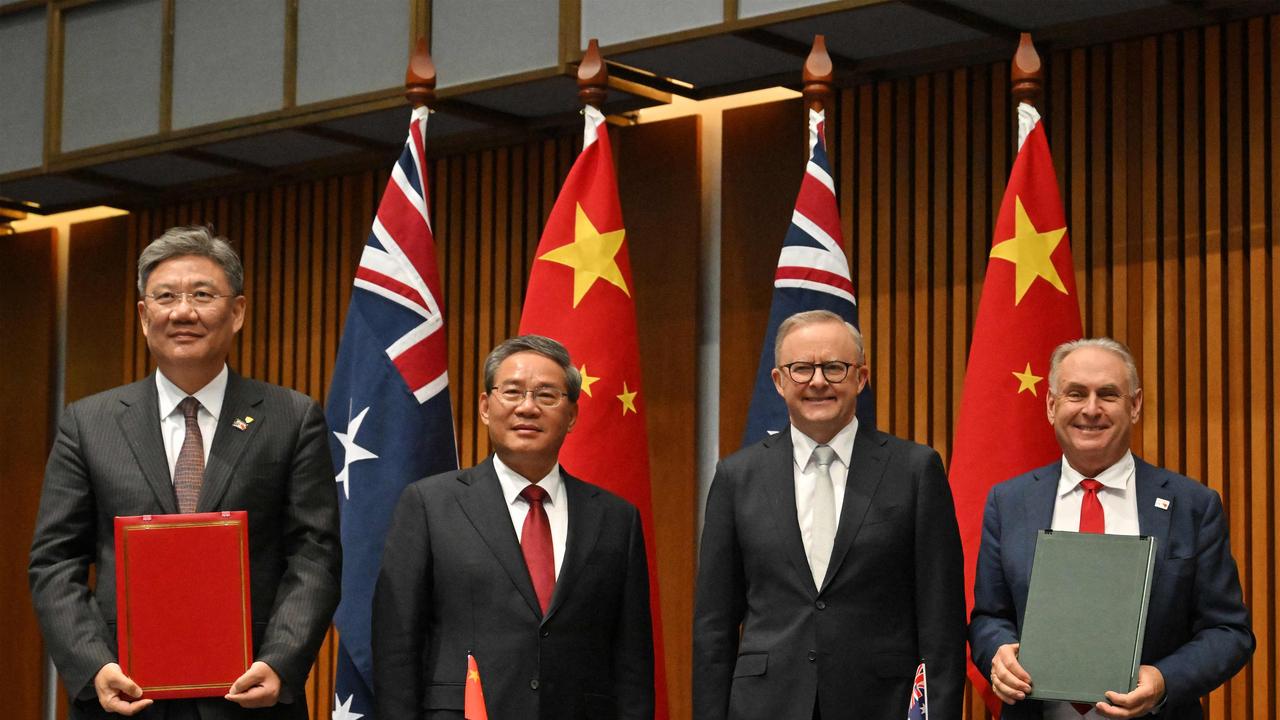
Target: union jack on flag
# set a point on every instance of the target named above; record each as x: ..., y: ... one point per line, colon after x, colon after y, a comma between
x: 919, y: 709
x: 813, y: 274
x: 388, y: 409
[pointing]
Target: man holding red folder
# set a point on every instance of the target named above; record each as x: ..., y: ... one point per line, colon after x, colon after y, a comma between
x: 191, y: 437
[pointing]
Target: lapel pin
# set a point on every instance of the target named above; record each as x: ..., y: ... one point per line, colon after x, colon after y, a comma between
x: 1162, y: 503
x: 239, y: 424
x: 248, y: 419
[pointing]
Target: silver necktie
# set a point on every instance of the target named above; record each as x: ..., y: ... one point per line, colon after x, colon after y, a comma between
x: 823, y: 535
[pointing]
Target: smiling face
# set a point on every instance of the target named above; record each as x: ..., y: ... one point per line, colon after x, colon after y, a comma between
x: 190, y: 345
x: 1093, y: 409
x: 527, y: 436
x: 819, y: 408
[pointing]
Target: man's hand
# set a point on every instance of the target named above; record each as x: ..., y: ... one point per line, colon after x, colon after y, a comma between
x: 258, y: 687
x: 1009, y: 681
x: 1148, y: 694
x: 117, y: 693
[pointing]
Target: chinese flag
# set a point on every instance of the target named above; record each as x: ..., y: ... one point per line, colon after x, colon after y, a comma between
x: 473, y: 700
x: 1028, y: 307
x: 581, y: 293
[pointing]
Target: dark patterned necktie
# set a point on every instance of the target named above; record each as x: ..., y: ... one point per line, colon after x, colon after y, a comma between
x: 188, y: 474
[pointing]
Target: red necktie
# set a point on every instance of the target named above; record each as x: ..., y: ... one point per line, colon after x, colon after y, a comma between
x: 188, y: 472
x: 535, y: 542
x: 1091, y: 521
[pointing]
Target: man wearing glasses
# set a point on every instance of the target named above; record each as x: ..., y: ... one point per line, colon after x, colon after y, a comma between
x: 831, y: 564
x: 1198, y: 633
x: 539, y: 576
x: 192, y: 437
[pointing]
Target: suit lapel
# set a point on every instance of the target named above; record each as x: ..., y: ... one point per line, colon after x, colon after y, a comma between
x: 486, y: 509
x: 139, y: 420
x: 866, y: 468
x: 228, y: 442
x: 1041, y: 496
x: 1151, y: 520
x: 778, y: 477
x: 584, y: 530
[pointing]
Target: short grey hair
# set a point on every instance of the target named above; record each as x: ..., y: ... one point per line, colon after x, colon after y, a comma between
x: 197, y: 240
x: 813, y: 317
x: 1061, y: 352
x: 541, y: 345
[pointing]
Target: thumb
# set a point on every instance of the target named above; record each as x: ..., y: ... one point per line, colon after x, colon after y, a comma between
x: 251, y: 677
x: 126, y: 685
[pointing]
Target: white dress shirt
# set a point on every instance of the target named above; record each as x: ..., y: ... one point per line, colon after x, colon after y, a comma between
x: 556, y: 504
x: 1119, y: 500
x: 173, y: 425
x: 806, y: 475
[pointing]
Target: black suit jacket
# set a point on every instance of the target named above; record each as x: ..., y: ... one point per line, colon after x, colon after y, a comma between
x: 454, y: 581
x: 1198, y: 633
x: 108, y: 459
x: 892, y: 598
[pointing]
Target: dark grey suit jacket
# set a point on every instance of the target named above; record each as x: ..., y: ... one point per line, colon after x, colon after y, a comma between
x: 892, y: 598
x: 108, y: 459
x: 454, y: 581
x: 1198, y: 633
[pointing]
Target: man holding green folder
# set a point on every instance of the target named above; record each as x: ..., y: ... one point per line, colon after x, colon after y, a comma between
x: 1198, y: 631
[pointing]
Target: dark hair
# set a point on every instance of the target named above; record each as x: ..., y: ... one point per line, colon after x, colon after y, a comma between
x: 191, y: 240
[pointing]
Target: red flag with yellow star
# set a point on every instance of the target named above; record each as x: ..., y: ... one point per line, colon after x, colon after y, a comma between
x: 473, y: 694
x: 581, y: 293
x: 1029, y: 306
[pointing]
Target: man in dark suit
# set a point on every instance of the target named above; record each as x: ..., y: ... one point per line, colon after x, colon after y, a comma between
x: 538, y: 575
x: 831, y: 564
x: 1198, y: 633
x: 181, y: 440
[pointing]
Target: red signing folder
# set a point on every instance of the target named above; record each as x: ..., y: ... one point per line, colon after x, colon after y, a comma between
x: 182, y: 602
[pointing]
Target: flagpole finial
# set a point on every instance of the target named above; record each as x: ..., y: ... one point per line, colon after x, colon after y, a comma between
x: 1027, y: 73
x: 818, y: 75
x: 420, y: 76
x: 593, y: 76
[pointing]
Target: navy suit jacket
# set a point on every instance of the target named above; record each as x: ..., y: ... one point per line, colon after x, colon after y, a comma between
x: 766, y: 641
x: 1198, y: 632
x: 454, y: 581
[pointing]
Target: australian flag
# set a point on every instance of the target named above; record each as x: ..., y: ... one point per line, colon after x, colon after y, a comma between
x: 813, y: 274
x: 388, y: 408
x: 919, y: 708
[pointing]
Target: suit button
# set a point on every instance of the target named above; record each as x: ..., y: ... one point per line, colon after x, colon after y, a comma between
x: 533, y: 684
x: 546, y: 633
x: 821, y: 605
x: 813, y: 657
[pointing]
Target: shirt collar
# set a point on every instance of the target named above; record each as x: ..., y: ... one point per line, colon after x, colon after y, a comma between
x: 513, y: 483
x: 1115, y: 477
x: 803, y: 446
x: 210, y: 396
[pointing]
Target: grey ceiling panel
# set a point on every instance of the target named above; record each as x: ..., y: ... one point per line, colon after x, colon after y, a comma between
x: 877, y: 30
x: 754, y: 8
x: 1030, y: 16
x: 278, y: 149
x: 111, y: 73
x: 228, y: 60
x: 392, y: 126
x: 162, y: 170
x: 22, y: 61
x: 53, y: 190
x: 472, y: 41
x: 713, y: 61
x: 347, y: 48
x: 617, y: 21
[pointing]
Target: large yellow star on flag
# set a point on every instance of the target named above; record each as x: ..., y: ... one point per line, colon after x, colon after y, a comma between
x: 1031, y: 251
x: 628, y: 398
x: 586, y: 379
x: 591, y: 255
x: 1027, y: 380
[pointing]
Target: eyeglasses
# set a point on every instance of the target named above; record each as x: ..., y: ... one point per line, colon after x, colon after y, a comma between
x: 197, y: 298
x: 547, y: 397
x: 1105, y: 396
x: 833, y: 370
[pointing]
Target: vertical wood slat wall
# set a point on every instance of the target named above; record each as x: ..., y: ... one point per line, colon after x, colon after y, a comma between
x: 301, y: 244
x: 1168, y: 154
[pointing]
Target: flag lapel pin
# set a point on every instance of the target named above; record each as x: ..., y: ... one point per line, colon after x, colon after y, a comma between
x: 1162, y: 503
x: 239, y: 424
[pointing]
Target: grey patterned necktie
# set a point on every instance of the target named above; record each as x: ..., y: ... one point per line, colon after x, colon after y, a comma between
x: 823, y: 534
x: 188, y: 473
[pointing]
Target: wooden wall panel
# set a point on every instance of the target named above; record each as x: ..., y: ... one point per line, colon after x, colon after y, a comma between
x: 1167, y: 150
x: 27, y: 323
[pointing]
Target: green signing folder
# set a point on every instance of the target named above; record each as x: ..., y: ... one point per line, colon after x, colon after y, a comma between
x: 1086, y: 614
